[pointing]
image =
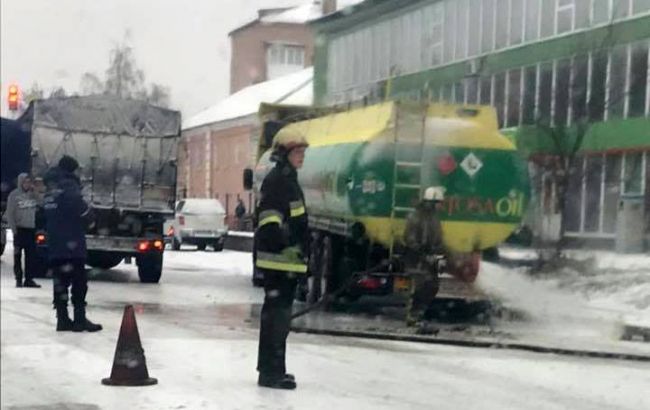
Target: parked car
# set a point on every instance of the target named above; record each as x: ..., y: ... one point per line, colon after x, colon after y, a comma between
x: 199, y: 222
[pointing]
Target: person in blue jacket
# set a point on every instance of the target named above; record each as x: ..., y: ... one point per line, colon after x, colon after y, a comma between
x: 66, y: 216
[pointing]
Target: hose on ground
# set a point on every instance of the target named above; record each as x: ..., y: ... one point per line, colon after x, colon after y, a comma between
x: 344, y: 287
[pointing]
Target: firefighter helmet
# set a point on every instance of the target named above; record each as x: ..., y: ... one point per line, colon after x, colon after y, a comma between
x: 289, y: 139
x: 434, y: 193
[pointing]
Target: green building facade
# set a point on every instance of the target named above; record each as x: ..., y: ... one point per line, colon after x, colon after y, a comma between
x: 540, y: 63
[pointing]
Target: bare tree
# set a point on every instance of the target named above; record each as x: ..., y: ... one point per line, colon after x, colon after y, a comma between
x: 34, y: 92
x: 566, y: 141
x: 124, y: 79
x: 91, y: 84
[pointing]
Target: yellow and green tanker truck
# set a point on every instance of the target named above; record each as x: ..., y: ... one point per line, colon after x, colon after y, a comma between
x: 366, y: 169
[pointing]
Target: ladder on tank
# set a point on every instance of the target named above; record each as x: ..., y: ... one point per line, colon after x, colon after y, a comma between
x: 408, y: 139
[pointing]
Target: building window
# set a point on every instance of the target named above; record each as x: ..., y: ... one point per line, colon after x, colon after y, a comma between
x: 582, y: 13
x: 284, y: 59
x: 485, y: 91
x: 573, y: 212
x: 448, y: 93
x: 487, y: 30
x: 530, y: 88
x: 621, y: 9
x: 433, y: 35
x: 462, y: 29
x: 638, y: 79
x: 545, y: 93
x: 592, y: 193
x: 547, y: 18
x: 579, y: 88
x: 513, y: 98
x: 564, y: 16
x: 532, y: 19
x: 459, y: 93
x: 516, y: 21
x: 562, y: 87
x: 640, y: 6
x: 474, y: 41
x: 450, y: 30
x: 632, y: 176
x: 617, y: 81
x: 500, y: 96
x: 612, y: 191
x: 472, y: 91
x: 600, y: 11
x: 501, y: 33
x: 598, y: 81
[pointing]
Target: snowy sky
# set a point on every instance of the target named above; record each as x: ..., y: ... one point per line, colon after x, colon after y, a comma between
x: 179, y: 43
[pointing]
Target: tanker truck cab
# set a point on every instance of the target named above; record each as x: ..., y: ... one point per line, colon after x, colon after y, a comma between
x: 366, y: 170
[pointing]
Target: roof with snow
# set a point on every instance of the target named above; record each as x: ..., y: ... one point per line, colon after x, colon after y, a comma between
x: 292, y: 89
x: 297, y: 15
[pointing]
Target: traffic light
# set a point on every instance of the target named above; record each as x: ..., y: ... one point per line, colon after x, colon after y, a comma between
x: 13, y: 97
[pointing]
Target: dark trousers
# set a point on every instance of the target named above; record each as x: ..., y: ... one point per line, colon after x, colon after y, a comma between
x: 67, y: 272
x: 25, y: 241
x: 279, y: 291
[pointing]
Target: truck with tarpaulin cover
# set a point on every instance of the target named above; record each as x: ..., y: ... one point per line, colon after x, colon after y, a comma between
x: 364, y: 172
x: 127, y: 154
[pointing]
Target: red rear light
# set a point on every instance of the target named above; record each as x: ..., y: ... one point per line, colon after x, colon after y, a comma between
x: 370, y: 283
x: 143, y: 246
x: 181, y: 220
x: 40, y: 239
x: 158, y: 244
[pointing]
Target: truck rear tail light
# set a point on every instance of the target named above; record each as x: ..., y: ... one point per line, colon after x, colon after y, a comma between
x: 158, y: 244
x: 143, y: 246
x: 40, y: 239
x: 370, y: 283
x: 181, y: 220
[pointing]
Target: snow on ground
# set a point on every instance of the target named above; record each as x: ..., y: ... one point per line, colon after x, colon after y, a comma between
x: 199, y: 331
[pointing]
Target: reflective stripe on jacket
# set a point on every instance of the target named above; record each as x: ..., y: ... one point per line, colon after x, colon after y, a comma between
x: 281, y: 237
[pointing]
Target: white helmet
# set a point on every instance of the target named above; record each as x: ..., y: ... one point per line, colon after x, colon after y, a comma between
x: 434, y: 193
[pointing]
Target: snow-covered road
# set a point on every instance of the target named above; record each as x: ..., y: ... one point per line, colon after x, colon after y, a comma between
x: 199, y: 331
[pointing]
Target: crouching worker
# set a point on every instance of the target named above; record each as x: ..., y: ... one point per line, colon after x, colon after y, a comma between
x: 66, y: 217
x: 424, y: 242
x: 281, y: 243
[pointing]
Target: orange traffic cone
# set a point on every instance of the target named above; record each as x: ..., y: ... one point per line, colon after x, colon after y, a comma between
x: 129, y: 364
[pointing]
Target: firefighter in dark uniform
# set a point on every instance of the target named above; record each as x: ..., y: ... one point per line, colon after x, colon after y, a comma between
x: 66, y: 217
x: 424, y: 242
x: 281, y: 244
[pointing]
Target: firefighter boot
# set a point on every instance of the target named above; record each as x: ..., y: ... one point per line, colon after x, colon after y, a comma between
x: 81, y: 323
x: 29, y: 283
x: 63, y: 322
x: 18, y: 273
x: 276, y: 382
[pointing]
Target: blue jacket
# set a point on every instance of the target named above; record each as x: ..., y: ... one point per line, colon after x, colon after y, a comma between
x: 65, y: 210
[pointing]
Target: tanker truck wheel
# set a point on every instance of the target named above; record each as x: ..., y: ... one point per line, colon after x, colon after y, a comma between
x: 150, y: 267
x: 318, y: 282
x: 103, y: 260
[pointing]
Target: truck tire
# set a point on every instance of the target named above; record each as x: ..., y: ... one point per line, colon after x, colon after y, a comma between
x: 103, y: 260
x: 201, y: 246
x: 176, y: 244
x: 150, y: 267
x: 218, y: 246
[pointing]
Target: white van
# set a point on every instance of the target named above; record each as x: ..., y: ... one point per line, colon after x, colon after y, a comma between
x: 198, y: 221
